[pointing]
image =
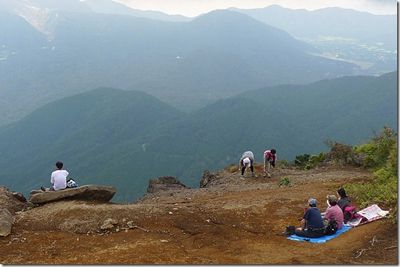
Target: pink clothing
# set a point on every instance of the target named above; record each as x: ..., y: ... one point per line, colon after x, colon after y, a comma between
x: 335, y: 212
x: 268, y: 155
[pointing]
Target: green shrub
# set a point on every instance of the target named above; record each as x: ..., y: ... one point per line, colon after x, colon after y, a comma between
x: 317, y: 159
x: 282, y: 163
x: 341, y: 153
x: 366, y: 152
x: 301, y: 160
x: 308, y: 162
x: 381, y: 155
x: 285, y: 181
x: 377, y: 152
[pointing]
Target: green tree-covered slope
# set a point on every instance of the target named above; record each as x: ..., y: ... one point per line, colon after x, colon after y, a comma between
x: 124, y: 138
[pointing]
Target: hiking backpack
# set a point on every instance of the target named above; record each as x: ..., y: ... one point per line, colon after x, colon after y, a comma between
x: 290, y: 230
x: 349, y: 213
x: 331, y: 228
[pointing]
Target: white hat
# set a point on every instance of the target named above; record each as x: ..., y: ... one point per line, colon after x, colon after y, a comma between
x: 246, y: 161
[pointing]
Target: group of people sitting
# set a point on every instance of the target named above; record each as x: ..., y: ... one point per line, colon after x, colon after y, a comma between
x: 59, y: 179
x: 314, y: 224
x: 247, y: 161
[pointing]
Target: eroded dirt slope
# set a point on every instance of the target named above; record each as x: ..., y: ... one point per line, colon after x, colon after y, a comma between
x: 236, y: 221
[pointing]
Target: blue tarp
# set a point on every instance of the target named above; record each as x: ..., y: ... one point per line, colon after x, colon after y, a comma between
x: 321, y: 239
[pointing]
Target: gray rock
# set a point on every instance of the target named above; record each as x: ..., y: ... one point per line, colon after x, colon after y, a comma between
x: 164, y: 183
x: 6, y: 222
x: 78, y: 225
x: 35, y: 191
x: 19, y: 196
x: 130, y: 224
x: 207, y: 178
x: 85, y: 192
x: 108, y: 224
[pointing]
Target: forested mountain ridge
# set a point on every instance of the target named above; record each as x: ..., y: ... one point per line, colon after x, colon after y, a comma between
x: 124, y: 138
x: 186, y: 64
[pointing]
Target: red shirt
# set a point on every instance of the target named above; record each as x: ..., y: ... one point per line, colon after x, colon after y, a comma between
x: 268, y: 155
x: 335, y: 212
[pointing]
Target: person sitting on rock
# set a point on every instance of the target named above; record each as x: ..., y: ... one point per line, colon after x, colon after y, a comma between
x: 58, y: 178
x: 269, y: 161
x: 247, y: 160
x: 312, y: 223
x: 333, y: 211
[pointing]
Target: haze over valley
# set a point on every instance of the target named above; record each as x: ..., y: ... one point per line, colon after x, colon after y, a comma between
x: 123, y: 95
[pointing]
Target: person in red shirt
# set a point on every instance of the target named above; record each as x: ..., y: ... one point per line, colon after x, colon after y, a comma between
x: 334, y: 211
x: 269, y: 161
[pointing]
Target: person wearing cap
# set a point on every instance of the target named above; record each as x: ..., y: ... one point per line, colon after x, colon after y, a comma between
x: 246, y: 160
x: 312, y: 223
x: 333, y: 211
x: 269, y: 161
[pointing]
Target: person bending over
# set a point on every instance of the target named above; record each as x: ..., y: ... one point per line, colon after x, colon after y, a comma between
x: 246, y: 161
x: 269, y: 161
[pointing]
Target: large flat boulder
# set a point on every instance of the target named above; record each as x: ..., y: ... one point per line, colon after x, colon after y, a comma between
x: 85, y: 192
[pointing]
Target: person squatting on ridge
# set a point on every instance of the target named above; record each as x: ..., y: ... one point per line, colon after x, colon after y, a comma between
x: 58, y: 178
x: 269, y: 161
x: 312, y: 222
x: 247, y: 160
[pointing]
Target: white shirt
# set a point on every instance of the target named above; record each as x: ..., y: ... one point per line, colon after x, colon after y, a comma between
x: 59, y: 179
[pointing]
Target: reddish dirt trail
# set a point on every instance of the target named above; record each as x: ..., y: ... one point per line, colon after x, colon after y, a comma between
x: 241, y: 223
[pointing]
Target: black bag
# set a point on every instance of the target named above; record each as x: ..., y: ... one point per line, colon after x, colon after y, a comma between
x: 331, y: 228
x: 290, y: 230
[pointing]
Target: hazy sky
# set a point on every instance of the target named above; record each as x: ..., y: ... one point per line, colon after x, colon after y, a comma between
x: 195, y: 7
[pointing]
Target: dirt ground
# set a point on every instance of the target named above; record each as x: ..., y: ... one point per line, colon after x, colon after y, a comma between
x: 239, y: 221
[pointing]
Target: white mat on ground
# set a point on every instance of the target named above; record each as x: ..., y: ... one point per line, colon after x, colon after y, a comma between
x: 369, y: 214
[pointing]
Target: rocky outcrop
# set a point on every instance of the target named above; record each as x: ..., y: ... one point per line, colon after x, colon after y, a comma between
x: 12, y: 201
x: 85, y: 192
x: 207, y: 178
x: 19, y: 196
x: 164, y: 183
x: 6, y: 222
x: 108, y: 224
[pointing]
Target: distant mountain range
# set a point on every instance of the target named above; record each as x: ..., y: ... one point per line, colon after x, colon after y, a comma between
x: 37, y: 11
x: 124, y: 138
x: 333, y: 22
x: 368, y: 40
x: 57, y: 49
